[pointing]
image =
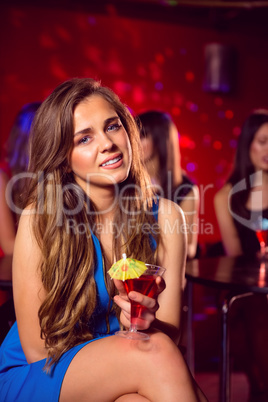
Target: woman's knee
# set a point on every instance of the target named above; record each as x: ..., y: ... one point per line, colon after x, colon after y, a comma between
x: 163, y: 351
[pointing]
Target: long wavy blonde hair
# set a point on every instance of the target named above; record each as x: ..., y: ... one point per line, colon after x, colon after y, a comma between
x: 67, y: 266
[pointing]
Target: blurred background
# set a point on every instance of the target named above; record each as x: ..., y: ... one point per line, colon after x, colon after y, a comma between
x: 204, y: 62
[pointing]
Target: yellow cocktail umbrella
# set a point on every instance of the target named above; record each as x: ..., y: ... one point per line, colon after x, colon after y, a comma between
x: 127, y: 268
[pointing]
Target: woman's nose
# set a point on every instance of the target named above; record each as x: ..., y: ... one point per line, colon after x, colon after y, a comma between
x: 105, y: 142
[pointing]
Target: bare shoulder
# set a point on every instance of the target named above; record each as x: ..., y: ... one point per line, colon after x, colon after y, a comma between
x: 221, y: 197
x: 26, y: 221
x: 195, y: 191
x: 169, y: 213
x: 25, y: 244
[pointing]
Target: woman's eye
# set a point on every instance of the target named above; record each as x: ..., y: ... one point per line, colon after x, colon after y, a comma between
x: 114, y: 127
x: 84, y: 140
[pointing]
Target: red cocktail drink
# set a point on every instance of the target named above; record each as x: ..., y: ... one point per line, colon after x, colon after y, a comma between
x: 146, y: 285
x: 262, y: 236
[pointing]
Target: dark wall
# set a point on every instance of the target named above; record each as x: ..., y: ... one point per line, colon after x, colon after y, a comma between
x: 150, y: 63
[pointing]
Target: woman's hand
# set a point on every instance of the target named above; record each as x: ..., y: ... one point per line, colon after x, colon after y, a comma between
x: 150, y: 304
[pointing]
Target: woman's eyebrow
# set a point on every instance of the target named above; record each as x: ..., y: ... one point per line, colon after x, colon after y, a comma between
x: 87, y: 130
x: 84, y: 131
x: 110, y: 119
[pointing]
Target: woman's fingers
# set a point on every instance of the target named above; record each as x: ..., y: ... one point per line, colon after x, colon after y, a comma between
x: 150, y: 304
x: 122, y: 303
x: 120, y: 286
x: 161, y: 284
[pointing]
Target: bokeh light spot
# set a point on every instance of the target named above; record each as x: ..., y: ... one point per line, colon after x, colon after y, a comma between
x: 191, y: 106
x: 138, y: 95
x: 178, y: 99
x: 189, y: 75
x: 219, y: 168
x: 121, y: 87
x: 91, y: 20
x: 236, y: 131
x: 159, y: 58
x: 176, y: 111
x: 229, y: 114
x: 158, y: 86
x: 233, y: 143
x: 217, y: 145
x: 221, y: 114
x: 191, y: 167
x: 186, y: 142
x: 207, y: 140
x: 218, y: 101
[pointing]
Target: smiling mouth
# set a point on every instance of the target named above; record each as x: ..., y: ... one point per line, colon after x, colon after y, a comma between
x: 112, y: 161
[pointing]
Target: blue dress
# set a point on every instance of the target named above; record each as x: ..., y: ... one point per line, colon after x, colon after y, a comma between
x: 23, y: 382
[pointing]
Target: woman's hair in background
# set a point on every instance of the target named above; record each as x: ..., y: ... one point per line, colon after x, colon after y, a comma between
x: 243, y: 166
x: 17, y: 146
x: 156, y: 124
x: 69, y: 259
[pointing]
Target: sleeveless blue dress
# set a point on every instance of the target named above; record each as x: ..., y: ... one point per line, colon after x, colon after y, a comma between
x: 23, y: 382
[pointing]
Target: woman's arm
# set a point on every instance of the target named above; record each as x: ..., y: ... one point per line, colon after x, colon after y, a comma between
x: 229, y: 234
x: 27, y: 288
x: 190, y: 207
x: 7, y: 228
x: 164, y: 313
x: 172, y: 256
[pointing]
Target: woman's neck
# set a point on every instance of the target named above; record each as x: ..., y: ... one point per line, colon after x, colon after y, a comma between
x: 105, y: 202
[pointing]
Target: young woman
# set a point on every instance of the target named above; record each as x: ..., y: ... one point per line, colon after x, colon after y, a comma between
x: 244, y: 198
x: 241, y: 203
x: 14, y: 162
x: 88, y: 202
x: 161, y: 149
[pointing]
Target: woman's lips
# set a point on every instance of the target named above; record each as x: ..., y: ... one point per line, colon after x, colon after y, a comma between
x: 113, y: 162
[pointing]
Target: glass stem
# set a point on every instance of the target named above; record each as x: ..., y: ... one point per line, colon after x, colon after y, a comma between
x: 132, y: 328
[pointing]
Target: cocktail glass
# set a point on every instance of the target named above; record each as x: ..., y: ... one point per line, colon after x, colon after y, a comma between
x: 262, y: 236
x: 146, y: 285
x: 261, y: 229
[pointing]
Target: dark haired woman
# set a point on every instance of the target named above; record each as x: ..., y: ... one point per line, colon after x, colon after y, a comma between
x: 88, y: 203
x: 161, y: 150
x: 239, y: 205
x: 13, y: 164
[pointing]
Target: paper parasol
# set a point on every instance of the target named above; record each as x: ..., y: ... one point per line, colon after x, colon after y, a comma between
x: 127, y: 268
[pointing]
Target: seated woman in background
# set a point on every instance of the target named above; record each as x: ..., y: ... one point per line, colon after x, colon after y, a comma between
x: 161, y: 151
x: 14, y: 161
x: 75, y: 225
x: 241, y: 203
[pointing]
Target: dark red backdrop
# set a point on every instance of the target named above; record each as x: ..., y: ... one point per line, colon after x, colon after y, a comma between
x: 150, y: 64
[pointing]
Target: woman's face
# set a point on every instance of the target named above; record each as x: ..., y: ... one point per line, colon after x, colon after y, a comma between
x: 258, y: 151
x: 102, y: 153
